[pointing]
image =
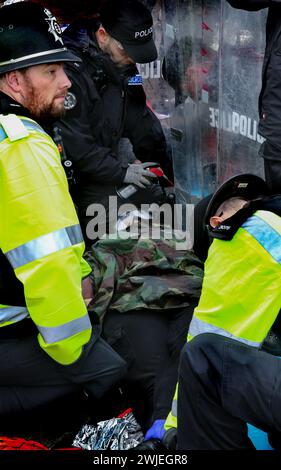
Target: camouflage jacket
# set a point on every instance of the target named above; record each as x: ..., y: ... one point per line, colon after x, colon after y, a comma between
x: 142, y: 273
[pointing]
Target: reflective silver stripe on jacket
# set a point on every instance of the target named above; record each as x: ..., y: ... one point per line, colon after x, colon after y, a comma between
x: 198, y: 327
x: 174, y: 409
x: 45, y: 245
x: 13, y: 314
x: 59, y: 333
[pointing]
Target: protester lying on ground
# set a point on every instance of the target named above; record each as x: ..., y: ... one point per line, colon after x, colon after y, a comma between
x: 145, y: 290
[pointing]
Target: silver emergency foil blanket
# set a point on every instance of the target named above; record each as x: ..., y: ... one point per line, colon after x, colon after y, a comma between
x: 114, y: 434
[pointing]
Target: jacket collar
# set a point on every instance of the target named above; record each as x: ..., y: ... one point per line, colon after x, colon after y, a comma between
x: 227, y: 229
x: 9, y: 106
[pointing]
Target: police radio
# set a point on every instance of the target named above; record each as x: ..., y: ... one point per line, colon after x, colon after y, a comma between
x: 67, y: 164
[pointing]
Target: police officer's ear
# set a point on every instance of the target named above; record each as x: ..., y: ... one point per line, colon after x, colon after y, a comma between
x: 12, y: 81
x: 102, y: 37
x: 215, y: 220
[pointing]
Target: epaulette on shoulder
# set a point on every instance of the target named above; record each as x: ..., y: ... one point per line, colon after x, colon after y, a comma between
x: 13, y: 127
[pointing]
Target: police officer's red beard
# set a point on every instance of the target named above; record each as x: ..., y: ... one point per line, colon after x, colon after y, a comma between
x: 40, y: 107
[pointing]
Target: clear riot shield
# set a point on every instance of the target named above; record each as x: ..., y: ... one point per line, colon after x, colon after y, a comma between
x: 211, y: 57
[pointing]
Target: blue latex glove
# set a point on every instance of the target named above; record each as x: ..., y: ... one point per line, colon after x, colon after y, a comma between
x: 156, y: 431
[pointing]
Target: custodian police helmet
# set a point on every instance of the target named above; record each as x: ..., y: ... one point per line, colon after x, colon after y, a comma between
x: 30, y: 35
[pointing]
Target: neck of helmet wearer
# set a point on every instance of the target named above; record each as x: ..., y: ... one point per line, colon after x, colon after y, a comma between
x: 226, y: 210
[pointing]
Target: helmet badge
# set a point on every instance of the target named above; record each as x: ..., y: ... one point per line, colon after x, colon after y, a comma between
x: 54, y: 27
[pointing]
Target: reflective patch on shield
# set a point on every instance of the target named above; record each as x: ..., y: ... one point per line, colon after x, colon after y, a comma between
x: 70, y: 101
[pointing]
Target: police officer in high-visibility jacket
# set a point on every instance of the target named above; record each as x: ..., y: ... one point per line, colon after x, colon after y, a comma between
x: 48, y: 346
x: 229, y: 375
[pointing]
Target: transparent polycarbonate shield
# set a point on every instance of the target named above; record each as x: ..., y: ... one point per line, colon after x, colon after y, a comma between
x: 191, y: 69
x: 242, y: 42
x: 210, y: 55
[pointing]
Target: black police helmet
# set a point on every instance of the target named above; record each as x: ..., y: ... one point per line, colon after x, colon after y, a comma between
x: 246, y: 186
x: 30, y: 35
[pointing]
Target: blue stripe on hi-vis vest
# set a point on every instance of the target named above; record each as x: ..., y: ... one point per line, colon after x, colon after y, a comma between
x: 45, y: 245
x: 33, y: 126
x: 28, y: 124
x: 3, y: 134
x: 267, y: 237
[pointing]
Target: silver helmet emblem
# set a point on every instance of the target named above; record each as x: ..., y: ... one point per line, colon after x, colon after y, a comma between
x: 54, y: 27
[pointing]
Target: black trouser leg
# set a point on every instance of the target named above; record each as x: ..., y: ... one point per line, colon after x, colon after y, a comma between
x: 140, y: 337
x: 224, y: 384
x: 30, y: 378
x: 167, y: 377
x: 272, y: 170
x: 150, y: 342
x: 272, y: 166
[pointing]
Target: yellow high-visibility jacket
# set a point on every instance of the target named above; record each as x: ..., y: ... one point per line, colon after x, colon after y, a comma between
x: 41, y: 237
x: 241, y: 292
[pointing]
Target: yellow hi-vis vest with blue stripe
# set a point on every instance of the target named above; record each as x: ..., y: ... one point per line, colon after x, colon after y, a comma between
x: 41, y: 237
x: 241, y: 293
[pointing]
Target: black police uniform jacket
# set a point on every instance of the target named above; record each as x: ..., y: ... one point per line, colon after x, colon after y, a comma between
x: 105, y: 103
x: 270, y: 95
